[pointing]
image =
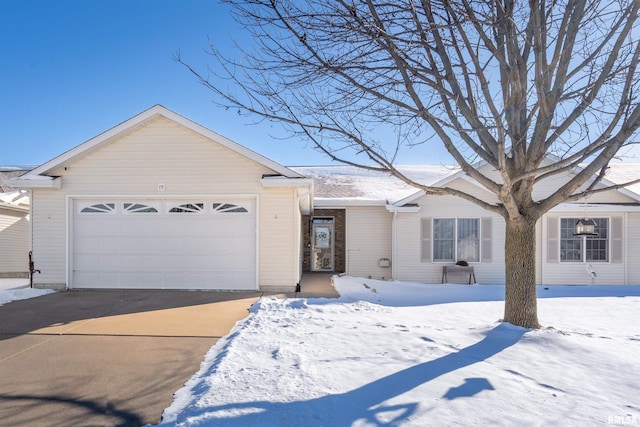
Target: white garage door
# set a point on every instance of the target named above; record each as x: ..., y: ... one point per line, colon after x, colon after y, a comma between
x: 164, y: 244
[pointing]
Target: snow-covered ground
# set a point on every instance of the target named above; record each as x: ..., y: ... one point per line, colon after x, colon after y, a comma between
x: 402, y: 354
x: 13, y: 290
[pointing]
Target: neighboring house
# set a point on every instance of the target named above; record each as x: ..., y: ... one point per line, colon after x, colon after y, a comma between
x: 14, y: 234
x: 161, y: 202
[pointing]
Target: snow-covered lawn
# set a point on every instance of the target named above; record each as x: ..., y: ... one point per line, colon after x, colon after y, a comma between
x: 402, y: 354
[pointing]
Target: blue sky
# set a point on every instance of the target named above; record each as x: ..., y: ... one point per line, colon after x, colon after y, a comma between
x: 73, y: 69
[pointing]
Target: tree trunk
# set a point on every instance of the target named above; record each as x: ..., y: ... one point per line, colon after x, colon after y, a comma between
x: 521, y: 305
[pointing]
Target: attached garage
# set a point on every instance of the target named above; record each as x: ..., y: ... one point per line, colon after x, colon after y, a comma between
x: 160, y: 202
x: 194, y: 243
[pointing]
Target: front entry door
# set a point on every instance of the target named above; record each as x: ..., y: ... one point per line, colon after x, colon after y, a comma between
x: 322, y: 244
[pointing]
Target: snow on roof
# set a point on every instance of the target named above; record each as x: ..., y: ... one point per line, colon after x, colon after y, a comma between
x: 349, y: 183
x: 620, y: 173
x: 15, y: 199
x: 346, y: 183
x: 9, y: 172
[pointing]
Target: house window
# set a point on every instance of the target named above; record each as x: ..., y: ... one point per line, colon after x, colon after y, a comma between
x: 584, y: 248
x: 456, y: 239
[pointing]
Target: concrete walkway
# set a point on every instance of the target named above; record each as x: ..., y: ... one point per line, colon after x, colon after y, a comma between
x: 317, y: 285
x: 106, y: 358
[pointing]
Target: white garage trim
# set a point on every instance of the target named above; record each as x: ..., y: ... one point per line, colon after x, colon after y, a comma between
x: 125, y: 210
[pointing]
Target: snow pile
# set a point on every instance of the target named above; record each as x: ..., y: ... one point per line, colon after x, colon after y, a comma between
x: 389, y: 353
x: 18, y: 294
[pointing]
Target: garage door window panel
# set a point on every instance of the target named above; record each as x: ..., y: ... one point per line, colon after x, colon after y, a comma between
x: 188, y: 208
x: 139, y: 208
x: 228, y: 208
x: 99, y: 208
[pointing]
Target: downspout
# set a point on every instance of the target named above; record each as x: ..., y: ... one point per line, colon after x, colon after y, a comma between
x: 68, y: 224
x: 544, y: 247
x: 30, y: 236
x: 297, y: 245
x: 393, y: 245
x: 626, y: 247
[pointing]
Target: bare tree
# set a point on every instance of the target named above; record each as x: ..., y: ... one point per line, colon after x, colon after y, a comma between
x: 530, y: 88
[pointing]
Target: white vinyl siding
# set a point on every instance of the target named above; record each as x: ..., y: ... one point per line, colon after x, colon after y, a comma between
x: 610, y: 272
x: 277, y: 256
x: 368, y: 239
x: 624, y: 243
x: 413, y: 259
x: 49, y: 237
x: 297, y: 243
x: 185, y: 163
x: 14, y: 241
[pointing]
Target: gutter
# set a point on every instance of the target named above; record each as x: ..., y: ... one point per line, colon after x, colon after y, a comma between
x: 406, y: 208
x: 9, y: 206
x: 36, y: 181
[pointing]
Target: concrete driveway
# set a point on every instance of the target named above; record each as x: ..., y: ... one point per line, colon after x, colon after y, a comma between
x: 106, y: 358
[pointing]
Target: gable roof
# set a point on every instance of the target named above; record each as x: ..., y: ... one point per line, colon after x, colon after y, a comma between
x: 349, y: 185
x: 39, y: 176
x: 618, y: 173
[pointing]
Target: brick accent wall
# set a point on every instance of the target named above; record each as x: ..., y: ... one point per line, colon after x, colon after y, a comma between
x: 339, y: 261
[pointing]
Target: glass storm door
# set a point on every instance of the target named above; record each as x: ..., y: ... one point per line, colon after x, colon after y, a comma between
x: 322, y: 244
